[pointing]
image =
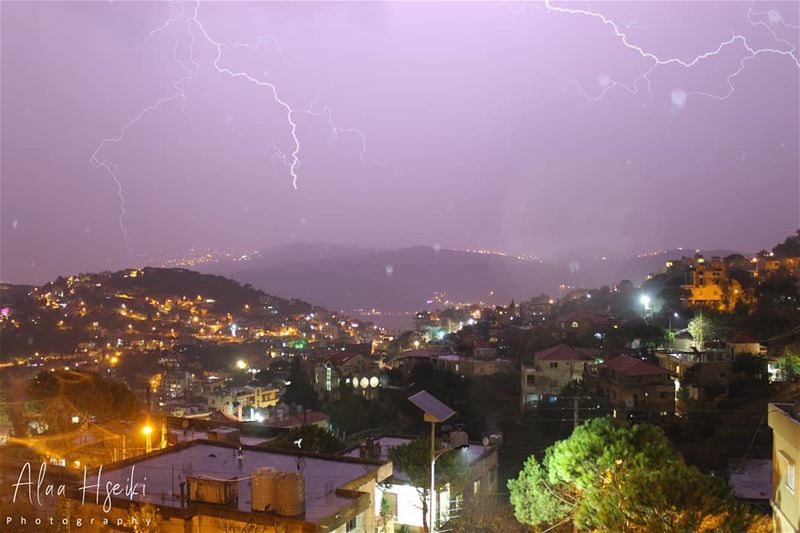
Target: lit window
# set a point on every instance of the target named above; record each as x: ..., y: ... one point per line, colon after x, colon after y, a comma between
x: 476, y: 487
x: 790, y: 476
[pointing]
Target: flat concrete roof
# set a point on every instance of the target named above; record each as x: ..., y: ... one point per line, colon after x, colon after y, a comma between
x: 211, y: 460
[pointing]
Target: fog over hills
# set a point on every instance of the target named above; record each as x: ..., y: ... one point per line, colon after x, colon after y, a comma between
x: 406, y: 279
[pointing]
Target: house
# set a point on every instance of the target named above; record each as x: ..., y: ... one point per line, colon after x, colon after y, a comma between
x: 221, y: 486
x: 784, y: 497
x: 338, y: 366
x: 553, y: 369
x: 584, y: 322
x: 709, y: 284
x: 404, y: 498
x: 408, y: 360
x: 633, y: 386
x: 483, y: 350
x: 241, y: 402
x: 471, y: 366
x: 538, y: 308
x: 742, y: 343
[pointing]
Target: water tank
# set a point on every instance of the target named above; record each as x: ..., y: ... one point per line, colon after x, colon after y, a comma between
x: 458, y: 439
x: 263, y: 489
x: 291, y: 494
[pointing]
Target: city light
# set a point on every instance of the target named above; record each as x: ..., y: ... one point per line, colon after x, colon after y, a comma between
x: 241, y: 364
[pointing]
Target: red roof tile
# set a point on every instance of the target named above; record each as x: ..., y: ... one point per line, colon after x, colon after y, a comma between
x: 562, y: 352
x: 339, y: 358
x: 741, y: 338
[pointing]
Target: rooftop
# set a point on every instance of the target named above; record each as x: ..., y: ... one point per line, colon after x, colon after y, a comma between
x: 471, y: 454
x: 562, y: 352
x: 309, y: 417
x: 219, y: 461
x: 751, y: 479
x: 632, y: 366
x: 340, y: 358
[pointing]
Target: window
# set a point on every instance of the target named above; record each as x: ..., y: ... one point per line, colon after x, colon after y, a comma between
x: 787, y: 464
x: 553, y: 365
x: 476, y: 487
x: 352, y: 524
x: 530, y: 379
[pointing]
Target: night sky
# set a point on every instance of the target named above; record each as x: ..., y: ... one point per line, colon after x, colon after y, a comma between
x: 509, y: 126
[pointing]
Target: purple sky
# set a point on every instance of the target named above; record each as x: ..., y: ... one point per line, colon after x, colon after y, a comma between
x: 479, y: 121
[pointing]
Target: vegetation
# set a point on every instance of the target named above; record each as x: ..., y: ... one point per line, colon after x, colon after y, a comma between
x: 310, y: 439
x: 789, y: 363
x: 611, y: 477
x: 414, y: 460
x: 300, y: 391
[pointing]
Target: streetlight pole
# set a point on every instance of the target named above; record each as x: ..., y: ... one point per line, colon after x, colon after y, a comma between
x: 431, y: 513
x: 434, y: 412
x: 435, y: 454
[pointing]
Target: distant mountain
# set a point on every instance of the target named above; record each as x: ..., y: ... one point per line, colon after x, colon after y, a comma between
x: 403, y: 280
x: 286, y: 254
x: 346, y: 278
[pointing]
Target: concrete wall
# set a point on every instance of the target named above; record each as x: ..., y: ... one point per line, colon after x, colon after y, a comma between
x: 785, y: 454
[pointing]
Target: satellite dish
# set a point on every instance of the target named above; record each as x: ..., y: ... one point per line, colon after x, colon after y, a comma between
x: 374, y: 382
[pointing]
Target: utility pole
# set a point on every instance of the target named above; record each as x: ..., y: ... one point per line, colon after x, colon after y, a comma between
x: 575, y: 401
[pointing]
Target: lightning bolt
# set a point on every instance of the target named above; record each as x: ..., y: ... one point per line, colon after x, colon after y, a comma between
x: 197, y: 28
x: 335, y: 130
x: 99, y: 162
x: 657, y: 61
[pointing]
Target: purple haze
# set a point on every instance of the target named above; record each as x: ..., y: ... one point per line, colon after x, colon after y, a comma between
x: 479, y: 121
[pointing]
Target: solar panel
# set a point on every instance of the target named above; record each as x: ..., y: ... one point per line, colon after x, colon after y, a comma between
x: 432, y: 407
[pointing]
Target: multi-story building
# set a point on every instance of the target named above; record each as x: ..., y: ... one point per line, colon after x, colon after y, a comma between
x: 537, y: 309
x: 472, y: 366
x: 709, y: 284
x: 785, y: 498
x: 553, y: 369
x: 227, y: 486
x: 404, y: 498
x: 235, y: 401
x: 338, y: 366
x: 632, y: 385
x: 770, y: 266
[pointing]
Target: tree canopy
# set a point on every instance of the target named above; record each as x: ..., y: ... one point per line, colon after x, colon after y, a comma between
x: 413, y: 460
x: 311, y: 439
x: 612, y: 477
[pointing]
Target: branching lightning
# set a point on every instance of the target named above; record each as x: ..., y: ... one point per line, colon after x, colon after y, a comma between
x: 678, y: 96
x: 197, y: 28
